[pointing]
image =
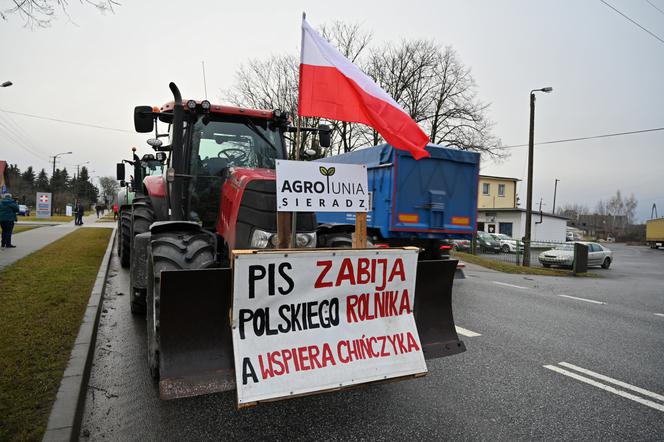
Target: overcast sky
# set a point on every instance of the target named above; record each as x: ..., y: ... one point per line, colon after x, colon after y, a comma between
x: 606, y: 74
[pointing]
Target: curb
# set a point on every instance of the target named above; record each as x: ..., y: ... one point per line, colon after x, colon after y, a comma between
x: 64, y: 422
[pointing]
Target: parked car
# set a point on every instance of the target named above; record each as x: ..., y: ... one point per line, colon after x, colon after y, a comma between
x: 507, y: 244
x: 563, y: 255
x: 462, y: 245
x: 487, y: 243
x: 23, y: 210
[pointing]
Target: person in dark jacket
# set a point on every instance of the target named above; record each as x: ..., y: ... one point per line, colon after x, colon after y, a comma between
x: 8, y: 211
x: 79, y: 213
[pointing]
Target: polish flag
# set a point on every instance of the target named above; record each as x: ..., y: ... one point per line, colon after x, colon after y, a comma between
x: 333, y: 87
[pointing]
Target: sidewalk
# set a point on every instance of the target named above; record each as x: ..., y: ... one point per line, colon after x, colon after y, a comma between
x: 33, y: 240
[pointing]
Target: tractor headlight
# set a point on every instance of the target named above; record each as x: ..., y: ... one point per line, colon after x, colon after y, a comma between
x: 260, y: 239
x: 306, y: 239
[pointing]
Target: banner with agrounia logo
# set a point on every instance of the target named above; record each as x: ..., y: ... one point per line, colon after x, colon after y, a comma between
x: 310, y: 186
x: 304, y: 322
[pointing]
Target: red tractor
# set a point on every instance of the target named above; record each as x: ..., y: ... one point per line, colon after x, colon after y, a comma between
x: 217, y: 194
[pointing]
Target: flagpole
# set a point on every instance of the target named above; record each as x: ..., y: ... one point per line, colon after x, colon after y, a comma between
x: 293, y: 239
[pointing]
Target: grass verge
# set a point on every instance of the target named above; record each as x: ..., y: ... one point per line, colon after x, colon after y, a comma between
x: 509, y: 268
x: 54, y: 218
x: 42, y: 300
x: 18, y: 229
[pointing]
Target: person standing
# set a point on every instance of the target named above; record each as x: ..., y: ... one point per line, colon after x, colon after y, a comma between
x: 8, y: 211
x: 79, y: 213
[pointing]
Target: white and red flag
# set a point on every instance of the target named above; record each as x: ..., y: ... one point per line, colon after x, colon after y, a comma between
x: 333, y: 87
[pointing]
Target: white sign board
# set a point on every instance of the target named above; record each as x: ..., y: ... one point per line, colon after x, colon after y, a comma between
x: 44, y: 202
x: 69, y: 210
x: 310, y: 186
x: 313, y: 321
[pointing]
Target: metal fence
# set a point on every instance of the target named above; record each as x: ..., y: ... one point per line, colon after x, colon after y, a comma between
x: 511, y: 252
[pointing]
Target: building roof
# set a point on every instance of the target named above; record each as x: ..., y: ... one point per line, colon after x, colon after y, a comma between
x: 518, y: 209
x: 500, y: 177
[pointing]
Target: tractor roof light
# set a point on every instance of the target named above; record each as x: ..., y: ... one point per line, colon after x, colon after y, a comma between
x: 205, y: 105
x: 191, y: 104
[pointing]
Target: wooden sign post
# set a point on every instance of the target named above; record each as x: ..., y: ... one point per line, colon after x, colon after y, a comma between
x: 360, y: 235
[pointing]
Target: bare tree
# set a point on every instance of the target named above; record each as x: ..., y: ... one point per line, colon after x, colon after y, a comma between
x: 572, y: 211
x: 109, y: 187
x: 40, y: 13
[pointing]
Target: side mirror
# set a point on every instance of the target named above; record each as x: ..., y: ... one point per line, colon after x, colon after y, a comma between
x: 143, y: 120
x: 120, y: 171
x: 324, y: 132
x: 161, y: 157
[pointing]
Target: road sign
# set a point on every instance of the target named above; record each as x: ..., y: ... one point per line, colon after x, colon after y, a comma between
x: 43, y: 205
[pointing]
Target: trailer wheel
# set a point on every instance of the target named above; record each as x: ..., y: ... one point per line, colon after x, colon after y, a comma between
x: 125, y: 238
x: 142, y: 216
x: 172, y: 251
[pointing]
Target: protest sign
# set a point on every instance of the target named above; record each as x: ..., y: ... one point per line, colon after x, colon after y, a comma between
x: 308, y: 186
x: 307, y: 321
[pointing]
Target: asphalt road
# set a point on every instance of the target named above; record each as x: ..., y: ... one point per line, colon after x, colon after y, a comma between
x: 499, y: 389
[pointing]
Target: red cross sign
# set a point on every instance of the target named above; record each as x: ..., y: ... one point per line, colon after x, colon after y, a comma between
x: 43, y: 198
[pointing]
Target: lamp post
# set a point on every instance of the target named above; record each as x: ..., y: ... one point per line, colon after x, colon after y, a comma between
x: 6, y: 84
x: 529, y: 196
x: 55, y: 157
x: 555, y: 190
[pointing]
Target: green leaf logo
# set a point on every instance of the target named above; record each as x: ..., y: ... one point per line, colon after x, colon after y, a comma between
x: 331, y: 171
x: 323, y: 170
x: 326, y: 172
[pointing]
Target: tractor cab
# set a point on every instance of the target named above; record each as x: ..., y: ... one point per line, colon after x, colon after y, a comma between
x: 220, y: 143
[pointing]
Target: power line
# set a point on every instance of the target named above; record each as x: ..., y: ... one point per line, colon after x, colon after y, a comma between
x: 650, y: 3
x: 58, y: 120
x: 633, y: 21
x: 567, y: 140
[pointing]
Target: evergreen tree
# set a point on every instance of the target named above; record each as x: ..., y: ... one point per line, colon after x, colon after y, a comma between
x: 41, y: 183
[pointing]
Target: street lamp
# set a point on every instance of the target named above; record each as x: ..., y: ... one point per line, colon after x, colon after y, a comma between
x: 55, y: 157
x: 529, y: 196
x: 6, y: 84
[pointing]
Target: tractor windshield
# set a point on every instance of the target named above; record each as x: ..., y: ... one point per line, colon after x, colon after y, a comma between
x: 234, y: 142
x: 220, y: 142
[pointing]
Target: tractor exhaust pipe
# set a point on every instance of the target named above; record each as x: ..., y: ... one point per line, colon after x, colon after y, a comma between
x: 177, y: 186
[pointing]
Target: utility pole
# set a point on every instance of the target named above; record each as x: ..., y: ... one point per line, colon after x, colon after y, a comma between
x: 529, y: 196
x: 555, y: 189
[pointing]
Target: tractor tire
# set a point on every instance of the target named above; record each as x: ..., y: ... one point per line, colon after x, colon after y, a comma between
x: 172, y: 251
x: 125, y: 238
x: 142, y: 216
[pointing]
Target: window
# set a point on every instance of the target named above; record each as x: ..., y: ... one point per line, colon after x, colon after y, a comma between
x: 485, y: 188
x: 505, y: 228
x: 501, y: 190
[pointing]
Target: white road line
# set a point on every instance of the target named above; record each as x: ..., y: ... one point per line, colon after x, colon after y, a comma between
x: 467, y: 333
x: 625, y: 385
x: 510, y: 285
x: 659, y: 314
x: 621, y: 393
x: 583, y: 299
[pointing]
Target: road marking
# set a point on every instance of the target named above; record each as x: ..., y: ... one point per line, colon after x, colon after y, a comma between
x: 510, y: 285
x: 659, y: 397
x: 465, y: 332
x: 610, y: 389
x: 583, y: 299
x: 659, y: 314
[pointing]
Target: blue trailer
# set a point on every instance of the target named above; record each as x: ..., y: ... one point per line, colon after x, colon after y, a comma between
x: 421, y: 203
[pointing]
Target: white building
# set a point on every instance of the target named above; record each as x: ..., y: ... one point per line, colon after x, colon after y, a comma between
x: 512, y: 222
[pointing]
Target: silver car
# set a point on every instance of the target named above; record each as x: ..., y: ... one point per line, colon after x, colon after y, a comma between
x: 563, y: 255
x: 507, y: 244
